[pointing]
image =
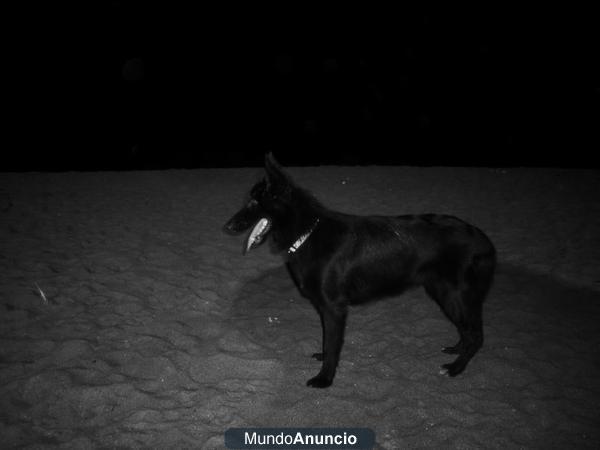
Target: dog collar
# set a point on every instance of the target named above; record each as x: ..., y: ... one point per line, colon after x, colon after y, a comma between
x: 302, y: 239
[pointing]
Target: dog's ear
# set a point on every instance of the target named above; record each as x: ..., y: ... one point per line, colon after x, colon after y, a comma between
x: 276, y: 177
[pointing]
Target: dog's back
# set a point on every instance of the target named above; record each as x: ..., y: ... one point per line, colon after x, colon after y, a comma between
x: 369, y: 257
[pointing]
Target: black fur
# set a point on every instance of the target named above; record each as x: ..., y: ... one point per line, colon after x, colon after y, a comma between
x: 350, y: 259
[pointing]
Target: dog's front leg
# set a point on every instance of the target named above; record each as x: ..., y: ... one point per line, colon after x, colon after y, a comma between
x: 319, y: 356
x: 333, y: 320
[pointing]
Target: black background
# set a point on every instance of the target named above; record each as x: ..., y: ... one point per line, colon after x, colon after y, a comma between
x: 138, y: 85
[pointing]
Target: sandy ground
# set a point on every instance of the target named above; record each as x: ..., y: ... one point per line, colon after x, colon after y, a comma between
x: 156, y: 332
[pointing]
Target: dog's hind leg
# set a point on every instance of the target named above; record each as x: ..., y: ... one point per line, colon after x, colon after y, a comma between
x: 477, y: 280
x: 333, y: 320
x: 470, y: 327
x: 462, y: 302
x: 464, y: 311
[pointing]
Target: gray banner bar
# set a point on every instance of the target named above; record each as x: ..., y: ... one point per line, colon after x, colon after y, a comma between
x: 299, y: 438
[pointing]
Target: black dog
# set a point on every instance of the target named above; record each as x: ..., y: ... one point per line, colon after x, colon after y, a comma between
x: 339, y: 259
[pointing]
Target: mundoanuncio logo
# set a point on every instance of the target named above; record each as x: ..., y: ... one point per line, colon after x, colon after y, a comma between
x: 299, y: 438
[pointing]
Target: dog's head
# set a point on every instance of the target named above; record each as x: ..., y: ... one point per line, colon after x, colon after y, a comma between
x: 267, y: 203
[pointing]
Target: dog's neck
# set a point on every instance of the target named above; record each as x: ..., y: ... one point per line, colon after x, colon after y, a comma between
x: 302, y: 239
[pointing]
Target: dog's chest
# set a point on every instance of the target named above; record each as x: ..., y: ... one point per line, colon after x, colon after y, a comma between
x: 301, y: 276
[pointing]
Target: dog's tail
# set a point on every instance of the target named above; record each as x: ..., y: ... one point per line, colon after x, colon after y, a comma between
x: 480, y: 273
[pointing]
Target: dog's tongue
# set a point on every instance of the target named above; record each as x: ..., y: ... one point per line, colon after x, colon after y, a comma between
x: 257, y: 234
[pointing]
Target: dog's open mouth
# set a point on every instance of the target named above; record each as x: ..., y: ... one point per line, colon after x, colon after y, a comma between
x: 258, y: 234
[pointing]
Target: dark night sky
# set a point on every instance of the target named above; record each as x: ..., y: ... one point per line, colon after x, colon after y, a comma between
x: 133, y: 85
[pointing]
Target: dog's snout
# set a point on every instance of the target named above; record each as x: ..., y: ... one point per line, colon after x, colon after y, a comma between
x: 234, y: 226
x: 229, y: 227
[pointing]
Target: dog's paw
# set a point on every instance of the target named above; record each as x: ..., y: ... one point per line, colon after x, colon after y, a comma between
x: 452, y: 369
x: 318, y: 356
x: 319, y: 382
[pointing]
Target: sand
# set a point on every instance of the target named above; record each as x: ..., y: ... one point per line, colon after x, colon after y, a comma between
x: 155, y: 332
